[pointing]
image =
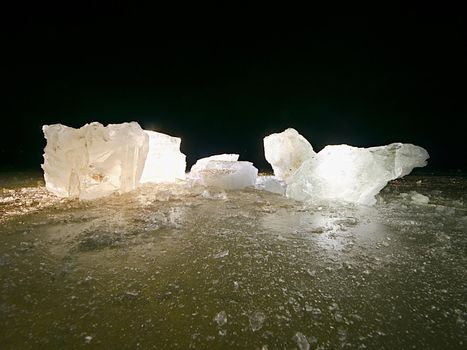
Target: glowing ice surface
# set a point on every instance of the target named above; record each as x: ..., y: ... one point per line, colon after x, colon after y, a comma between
x: 341, y: 172
x: 228, y: 175
x: 203, y: 162
x: 268, y: 271
x: 286, y: 151
x: 165, y: 162
x: 93, y: 161
x: 224, y: 171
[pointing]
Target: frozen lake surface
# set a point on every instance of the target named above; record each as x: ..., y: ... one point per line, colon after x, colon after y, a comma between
x: 178, y: 267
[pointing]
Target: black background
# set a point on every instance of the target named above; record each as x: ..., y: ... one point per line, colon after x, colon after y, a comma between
x: 225, y: 78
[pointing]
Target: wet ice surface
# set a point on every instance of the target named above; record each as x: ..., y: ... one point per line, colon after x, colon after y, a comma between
x: 168, y: 266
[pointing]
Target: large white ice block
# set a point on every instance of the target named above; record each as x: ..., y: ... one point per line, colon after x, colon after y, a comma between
x: 286, y: 151
x: 226, y: 174
x: 93, y: 161
x: 353, y: 174
x: 165, y: 162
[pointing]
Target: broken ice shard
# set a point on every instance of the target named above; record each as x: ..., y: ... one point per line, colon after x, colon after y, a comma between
x: 270, y: 184
x: 165, y: 162
x: 224, y: 171
x: 286, y: 151
x: 93, y: 161
x: 351, y: 174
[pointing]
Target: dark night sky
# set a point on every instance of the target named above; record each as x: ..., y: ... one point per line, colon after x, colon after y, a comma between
x: 223, y: 84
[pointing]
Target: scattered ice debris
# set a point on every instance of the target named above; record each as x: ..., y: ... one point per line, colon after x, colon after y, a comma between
x: 340, y: 172
x: 221, y: 318
x: 94, y: 160
x: 418, y: 198
x: 302, y: 341
x: 165, y: 162
x: 257, y: 319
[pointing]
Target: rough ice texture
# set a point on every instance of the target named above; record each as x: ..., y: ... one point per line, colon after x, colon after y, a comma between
x: 270, y: 184
x: 165, y: 162
x: 226, y: 174
x: 93, y: 161
x: 353, y: 174
x: 203, y: 162
x: 347, y: 173
x: 286, y: 151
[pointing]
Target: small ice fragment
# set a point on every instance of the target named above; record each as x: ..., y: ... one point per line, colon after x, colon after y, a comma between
x: 302, y: 341
x: 419, y: 198
x: 221, y: 254
x: 87, y: 339
x: 270, y: 184
x: 256, y: 320
x: 221, y: 318
x: 213, y: 194
x: 132, y: 293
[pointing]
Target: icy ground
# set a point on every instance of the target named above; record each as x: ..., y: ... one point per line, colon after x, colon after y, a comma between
x: 168, y: 266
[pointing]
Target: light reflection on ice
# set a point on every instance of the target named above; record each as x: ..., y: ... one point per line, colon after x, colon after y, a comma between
x: 177, y: 259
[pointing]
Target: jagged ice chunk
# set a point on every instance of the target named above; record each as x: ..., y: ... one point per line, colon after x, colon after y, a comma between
x: 164, y: 162
x: 353, y: 174
x: 93, y: 161
x: 270, y: 184
x: 286, y: 151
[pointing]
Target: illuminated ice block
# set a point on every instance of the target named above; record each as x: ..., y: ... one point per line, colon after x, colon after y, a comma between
x: 353, y: 174
x: 286, y: 151
x: 93, y: 161
x: 203, y: 162
x: 165, y: 162
x: 224, y: 171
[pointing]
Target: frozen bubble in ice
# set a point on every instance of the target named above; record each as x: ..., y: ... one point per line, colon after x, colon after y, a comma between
x: 94, y: 160
x: 165, y: 162
x: 256, y: 320
x: 302, y: 341
x: 286, y: 151
x: 221, y: 318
